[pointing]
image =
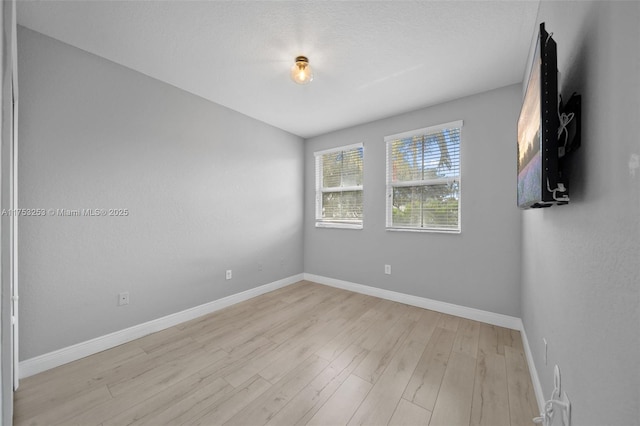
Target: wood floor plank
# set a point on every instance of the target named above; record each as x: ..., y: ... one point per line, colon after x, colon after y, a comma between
x: 490, y: 406
x: 350, y: 334
x: 78, y: 376
x: 164, y: 371
x: 501, y: 332
x: 243, y: 369
x: 425, y: 382
x: 289, y: 354
x: 308, y: 401
x: 380, y: 403
x: 522, y: 405
x: 449, y: 322
x: 274, y: 363
x: 189, y: 407
x: 104, y: 360
x: 489, y: 339
x: 467, y: 336
x: 290, y: 322
x: 126, y: 410
x: 306, y: 288
x: 265, y: 407
x: 344, y: 402
x: 453, y: 405
x: 380, y: 356
x: 228, y: 407
x: 230, y: 315
x: 163, y: 377
x: 391, y: 313
x: 511, y: 338
x: 252, y: 344
x: 225, y: 324
x: 212, y: 369
x: 159, y: 339
x: 409, y: 414
x: 239, y: 332
x: 516, y: 340
x: 314, y: 319
x: 182, y: 407
x: 62, y: 412
x: 317, y: 338
x: 292, y: 357
x: 297, y: 326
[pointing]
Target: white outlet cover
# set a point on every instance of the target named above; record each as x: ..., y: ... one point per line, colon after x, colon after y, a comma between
x: 123, y: 299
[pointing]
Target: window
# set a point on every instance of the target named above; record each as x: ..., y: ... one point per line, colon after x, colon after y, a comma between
x: 339, y: 187
x: 423, y: 179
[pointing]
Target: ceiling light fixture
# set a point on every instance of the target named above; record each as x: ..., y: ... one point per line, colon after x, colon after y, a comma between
x: 301, y: 72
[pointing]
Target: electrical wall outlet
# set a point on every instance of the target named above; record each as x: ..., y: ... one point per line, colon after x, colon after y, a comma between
x: 387, y: 269
x: 123, y: 298
x: 229, y: 274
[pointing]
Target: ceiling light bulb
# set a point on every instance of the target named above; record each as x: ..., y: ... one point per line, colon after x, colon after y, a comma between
x: 301, y: 71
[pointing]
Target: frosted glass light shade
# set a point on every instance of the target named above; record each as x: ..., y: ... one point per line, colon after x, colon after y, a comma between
x: 301, y: 72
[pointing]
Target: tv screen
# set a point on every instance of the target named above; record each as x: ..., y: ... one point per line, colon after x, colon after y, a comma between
x: 538, y: 173
x: 529, y: 139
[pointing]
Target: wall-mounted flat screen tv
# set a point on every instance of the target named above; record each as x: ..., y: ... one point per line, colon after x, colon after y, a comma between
x: 538, y: 174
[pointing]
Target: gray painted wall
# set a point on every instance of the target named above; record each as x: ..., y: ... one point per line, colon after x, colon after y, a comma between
x: 208, y: 189
x: 581, y: 262
x: 479, y: 268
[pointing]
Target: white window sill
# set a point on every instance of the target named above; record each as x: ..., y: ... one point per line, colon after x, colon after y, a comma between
x: 437, y: 231
x: 338, y: 225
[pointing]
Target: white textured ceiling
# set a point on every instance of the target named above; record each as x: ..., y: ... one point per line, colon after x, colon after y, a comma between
x: 371, y: 59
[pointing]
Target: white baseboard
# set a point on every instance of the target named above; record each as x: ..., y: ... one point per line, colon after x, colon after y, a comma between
x: 422, y: 302
x: 62, y: 356
x: 535, y: 379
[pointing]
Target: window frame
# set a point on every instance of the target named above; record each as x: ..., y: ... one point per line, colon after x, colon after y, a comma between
x: 320, y: 222
x: 458, y: 124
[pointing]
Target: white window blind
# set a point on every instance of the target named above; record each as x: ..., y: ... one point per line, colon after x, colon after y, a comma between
x: 423, y: 179
x: 339, y: 187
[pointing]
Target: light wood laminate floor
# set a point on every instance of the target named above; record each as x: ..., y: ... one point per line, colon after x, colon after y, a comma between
x: 304, y: 354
